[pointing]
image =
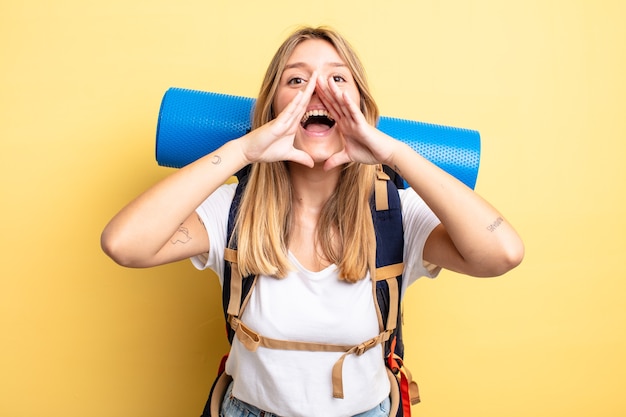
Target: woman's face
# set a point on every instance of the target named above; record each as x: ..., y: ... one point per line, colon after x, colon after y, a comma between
x: 317, y: 135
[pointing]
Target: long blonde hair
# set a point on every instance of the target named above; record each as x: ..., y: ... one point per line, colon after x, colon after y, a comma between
x: 263, y: 226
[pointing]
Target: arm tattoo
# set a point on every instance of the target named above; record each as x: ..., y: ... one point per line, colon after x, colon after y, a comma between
x: 181, y: 236
x: 217, y: 160
x: 493, y: 226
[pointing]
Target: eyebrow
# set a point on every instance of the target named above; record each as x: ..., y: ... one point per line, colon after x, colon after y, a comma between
x: 304, y: 64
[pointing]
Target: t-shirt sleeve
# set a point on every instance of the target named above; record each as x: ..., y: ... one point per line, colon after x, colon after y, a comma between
x: 418, y: 221
x: 214, y: 214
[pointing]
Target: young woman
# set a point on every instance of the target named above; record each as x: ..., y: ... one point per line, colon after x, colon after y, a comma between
x: 305, y: 228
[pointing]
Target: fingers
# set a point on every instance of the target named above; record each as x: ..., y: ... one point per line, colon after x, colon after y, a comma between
x: 301, y: 157
x: 274, y: 140
x: 304, y: 96
x: 292, y: 114
x: 338, y: 103
x: 328, y: 98
x: 336, y: 160
x: 310, y: 88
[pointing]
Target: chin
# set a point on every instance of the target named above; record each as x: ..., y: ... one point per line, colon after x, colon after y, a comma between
x: 320, y: 148
x: 319, y: 155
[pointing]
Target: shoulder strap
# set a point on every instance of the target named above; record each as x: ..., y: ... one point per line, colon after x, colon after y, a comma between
x: 389, y: 265
x: 235, y: 287
x: 395, y: 177
x: 387, y: 217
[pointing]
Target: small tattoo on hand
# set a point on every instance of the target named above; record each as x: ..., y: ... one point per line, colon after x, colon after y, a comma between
x: 493, y: 226
x: 216, y: 160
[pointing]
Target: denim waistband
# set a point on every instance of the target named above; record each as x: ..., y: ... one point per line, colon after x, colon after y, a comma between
x: 234, y: 407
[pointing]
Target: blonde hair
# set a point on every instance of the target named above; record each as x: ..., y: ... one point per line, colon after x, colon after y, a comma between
x: 263, y: 225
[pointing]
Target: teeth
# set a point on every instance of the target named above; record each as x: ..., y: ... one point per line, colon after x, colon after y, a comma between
x: 320, y: 112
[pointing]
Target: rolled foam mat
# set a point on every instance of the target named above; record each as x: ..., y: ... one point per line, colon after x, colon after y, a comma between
x: 194, y: 123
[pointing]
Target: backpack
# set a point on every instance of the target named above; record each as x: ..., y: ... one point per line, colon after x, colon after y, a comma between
x: 386, y: 277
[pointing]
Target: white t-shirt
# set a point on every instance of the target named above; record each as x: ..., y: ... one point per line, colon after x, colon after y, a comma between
x: 315, y: 307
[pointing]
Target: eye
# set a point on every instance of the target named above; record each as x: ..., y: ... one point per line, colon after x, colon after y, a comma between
x: 339, y: 79
x: 296, y: 81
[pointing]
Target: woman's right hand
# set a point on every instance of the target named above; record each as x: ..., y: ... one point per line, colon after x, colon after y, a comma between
x: 274, y: 140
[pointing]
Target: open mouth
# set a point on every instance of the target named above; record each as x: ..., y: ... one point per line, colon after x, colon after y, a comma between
x: 317, y: 121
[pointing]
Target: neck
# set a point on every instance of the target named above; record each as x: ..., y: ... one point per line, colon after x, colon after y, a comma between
x: 312, y: 187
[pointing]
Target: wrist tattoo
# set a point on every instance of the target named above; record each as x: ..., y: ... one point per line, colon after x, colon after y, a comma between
x: 493, y: 226
x: 217, y: 160
x: 181, y: 236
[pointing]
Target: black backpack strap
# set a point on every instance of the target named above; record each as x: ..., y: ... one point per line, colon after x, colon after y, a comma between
x: 387, y: 218
x: 243, y: 173
x: 394, y: 177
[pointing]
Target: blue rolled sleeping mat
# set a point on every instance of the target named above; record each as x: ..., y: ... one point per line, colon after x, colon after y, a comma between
x: 194, y: 123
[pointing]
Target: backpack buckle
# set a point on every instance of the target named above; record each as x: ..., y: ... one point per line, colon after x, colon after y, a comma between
x: 365, y: 346
x: 248, y: 338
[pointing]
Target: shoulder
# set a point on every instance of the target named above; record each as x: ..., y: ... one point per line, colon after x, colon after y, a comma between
x: 411, y: 201
x: 416, y: 215
x: 214, y: 212
x: 418, y: 221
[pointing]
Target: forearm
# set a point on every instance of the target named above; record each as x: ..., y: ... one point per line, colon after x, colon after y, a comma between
x: 142, y: 228
x: 486, y: 243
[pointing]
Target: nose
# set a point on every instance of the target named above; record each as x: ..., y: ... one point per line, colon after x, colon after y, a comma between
x: 315, y: 98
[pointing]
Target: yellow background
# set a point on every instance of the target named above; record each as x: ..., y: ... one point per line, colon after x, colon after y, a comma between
x: 80, y: 88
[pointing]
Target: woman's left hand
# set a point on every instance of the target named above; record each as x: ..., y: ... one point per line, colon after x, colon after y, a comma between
x: 362, y: 142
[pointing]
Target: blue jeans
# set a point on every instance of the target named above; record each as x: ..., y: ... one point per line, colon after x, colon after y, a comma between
x: 232, y: 407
